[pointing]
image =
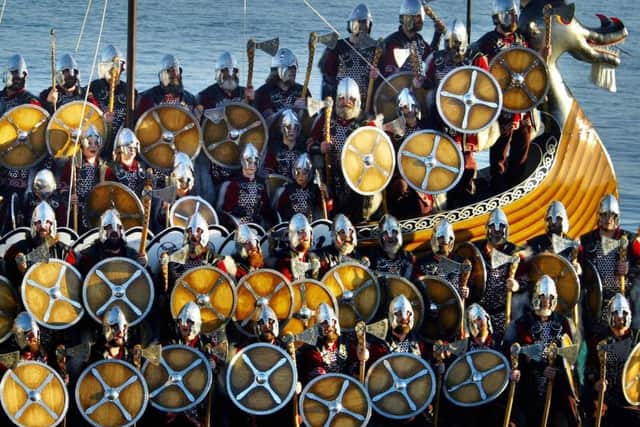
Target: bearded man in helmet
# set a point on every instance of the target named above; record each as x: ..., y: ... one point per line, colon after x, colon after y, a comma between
x: 227, y: 86
x: 15, y: 90
x: 248, y: 256
x: 389, y: 256
x: 44, y: 188
x: 283, y: 150
x: 343, y: 246
x: 298, y: 261
x: 68, y: 87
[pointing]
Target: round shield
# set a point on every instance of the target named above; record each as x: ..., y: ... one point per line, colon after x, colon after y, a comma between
x: 184, y: 207
x: 563, y: 273
x: 118, y: 281
x: 478, y: 278
x: 368, y: 160
x: 227, y: 129
x: 33, y: 394
x: 397, y: 285
x: 357, y: 290
x: 385, y: 99
x: 64, y: 128
x: 592, y: 290
x: 430, y: 162
x: 335, y: 400
x: 275, y: 240
x: 259, y: 287
x: 85, y: 240
x: 523, y: 77
x: 217, y: 236
x: 166, y: 129
x: 22, y: 140
x: 443, y: 316
x: 469, y: 99
x: 275, y: 186
x: 401, y: 385
x: 181, y: 380
x: 631, y: 377
x: 321, y: 233
x: 214, y: 292
x: 565, y: 341
x: 66, y: 235
x: 476, y: 378
x: 133, y: 236
x: 261, y: 379
x: 168, y: 240
x: 51, y: 292
x: 111, y: 393
x: 113, y: 195
x: 308, y: 294
x: 8, y: 308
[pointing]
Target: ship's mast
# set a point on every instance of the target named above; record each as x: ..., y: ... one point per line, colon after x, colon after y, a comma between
x: 131, y: 63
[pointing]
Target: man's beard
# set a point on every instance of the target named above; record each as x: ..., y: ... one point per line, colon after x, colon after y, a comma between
x: 173, y: 88
x: 117, y: 342
x: 267, y: 337
x: 331, y: 336
x: 70, y: 82
x: 255, y: 259
x: 18, y: 84
x: 303, y: 246
x: 348, y: 113
x: 346, y: 248
x: 114, y: 243
x: 229, y: 84
x: 402, y: 329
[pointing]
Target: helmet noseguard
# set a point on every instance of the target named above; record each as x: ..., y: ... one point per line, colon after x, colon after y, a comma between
x: 390, y: 227
x: 114, y: 322
x: 443, y: 230
x: 545, y: 286
x: 44, y: 184
x: 110, y: 57
x: 245, y: 236
x: 15, y: 64
x: 619, y: 307
x: 302, y: 166
x: 250, y: 155
x: 43, y: 213
x: 226, y: 61
x: 110, y: 218
x: 297, y: 225
x: 400, y: 304
x: 498, y: 222
x: 456, y: 38
x: 349, y: 91
x: 505, y: 14
x: 412, y: 15
x: 342, y: 225
x: 280, y: 63
x: 407, y: 100
x: 64, y: 63
x: 475, y: 312
x: 325, y: 313
x: 360, y: 13
x: 557, y: 211
x: 91, y: 136
x: 290, y: 124
x: 183, y: 175
x: 197, y: 222
x: 267, y: 317
x: 609, y: 206
x: 190, y: 319
x: 25, y: 329
x: 167, y: 63
x: 126, y: 139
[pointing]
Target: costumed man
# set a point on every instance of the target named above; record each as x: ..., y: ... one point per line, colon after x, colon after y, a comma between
x: 180, y: 180
x: 343, y: 247
x: 248, y: 256
x: 44, y: 188
x: 498, y: 254
x: 509, y: 154
x: 125, y: 166
x: 303, y: 195
x: 282, y: 153
x: 115, y: 337
x: 227, y: 86
x: 68, y: 86
x: 618, y: 345
x: 456, y: 53
x: 389, y: 256
x: 342, y: 60
x: 299, y: 262
x: 479, y: 329
x: 412, y: 17
x: 543, y: 326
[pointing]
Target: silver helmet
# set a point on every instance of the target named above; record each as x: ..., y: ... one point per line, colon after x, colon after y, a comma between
x: 25, y: 328
x: 280, y: 63
x: 114, y: 322
x: 619, y: 307
x: 343, y: 226
x: 557, y: 211
x: 400, y: 304
x: 226, y: 61
x: 412, y: 15
x: 197, y: 221
x: 498, y: 222
x: 360, y: 13
x: 505, y: 13
x: 297, y: 225
x: 250, y: 154
x: 547, y: 287
x: 66, y: 62
x: 43, y: 213
x: 189, y: 317
x: 16, y: 63
x: 443, y: 230
x: 91, y: 135
x: 390, y: 227
x: 302, y: 166
x: 456, y: 39
x: 475, y: 312
x: 609, y: 205
x: 126, y: 140
x: 268, y: 317
x: 183, y: 175
x: 290, y: 124
x: 246, y: 236
x: 168, y: 63
x: 44, y: 184
x: 110, y: 218
x: 325, y: 313
x: 110, y: 57
x: 349, y: 91
x: 407, y: 100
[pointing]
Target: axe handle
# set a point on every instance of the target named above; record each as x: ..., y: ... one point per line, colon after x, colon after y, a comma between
x: 362, y: 343
x: 549, y: 393
x: 512, y: 392
x: 622, y: 255
x: 52, y: 42
x: 146, y: 203
x: 313, y: 39
x: 603, y: 375
x: 376, y: 59
x: 74, y: 182
x: 512, y: 274
x: 415, y: 61
x: 546, y: 46
x: 115, y: 76
x: 165, y: 275
x: 251, y: 55
x: 436, y: 409
x: 327, y: 138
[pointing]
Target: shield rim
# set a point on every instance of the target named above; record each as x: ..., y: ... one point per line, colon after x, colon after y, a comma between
x: 318, y: 223
x: 441, y: 135
x: 343, y: 154
x: 89, y: 105
x: 588, y: 289
x: 204, y: 392
x: 334, y: 301
x: 26, y: 306
x: 126, y: 190
x: 7, y: 283
x: 136, y: 372
x: 145, y: 273
x: 451, y: 288
x: 463, y: 357
x: 197, y: 199
x: 45, y: 152
x: 391, y: 78
x: 157, y: 241
x: 430, y: 373
x: 283, y: 353
x: 636, y: 351
x: 344, y: 377
x: 569, y: 267
x: 542, y: 62
x: 498, y: 101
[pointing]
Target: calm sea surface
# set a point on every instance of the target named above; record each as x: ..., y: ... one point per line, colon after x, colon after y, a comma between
x: 198, y: 31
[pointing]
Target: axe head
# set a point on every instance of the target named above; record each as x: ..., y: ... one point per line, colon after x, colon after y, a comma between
x: 398, y: 127
x: 378, y: 329
x: 10, y: 360
x: 215, y: 115
x: 532, y: 351
x: 153, y: 354
x: 329, y: 40
x: 166, y: 194
x: 308, y: 336
x: 220, y: 350
x: 315, y: 105
x: 458, y: 347
x: 269, y: 47
x: 569, y: 353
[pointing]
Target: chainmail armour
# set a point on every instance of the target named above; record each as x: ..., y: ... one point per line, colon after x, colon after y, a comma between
x: 285, y: 160
x: 132, y: 179
x: 351, y: 65
x: 544, y: 333
x: 302, y: 202
x: 250, y: 198
x: 495, y: 297
x: 334, y: 358
x: 616, y: 357
x: 88, y: 177
x: 339, y: 135
x: 405, y: 346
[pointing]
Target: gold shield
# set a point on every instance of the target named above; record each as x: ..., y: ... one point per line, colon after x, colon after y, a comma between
x: 308, y: 294
x: 113, y: 195
x: 166, y: 129
x: 111, y: 393
x: 8, y: 308
x: 401, y: 385
x: 430, y: 162
x: 22, y: 140
x: 118, y: 281
x: 476, y: 378
x: 52, y: 293
x: 631, y: 377
x: 478, y: 277
x: 395, y: 285
x: 386, y: 96
x: 228, y: 129
x: 212, y: 290
x: 181, y: 380
x: 64, y: 128
x: 368, y: 160
x: 357, y: 290
x: 184, y: 207
x: 443, y: 316
x: 261, y: 379
x: 468, y: 99
x: 33, y: 394
x: 563, y: 273
x: 335, y: 400
x: 259, y: 287
x: 523, y: 77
